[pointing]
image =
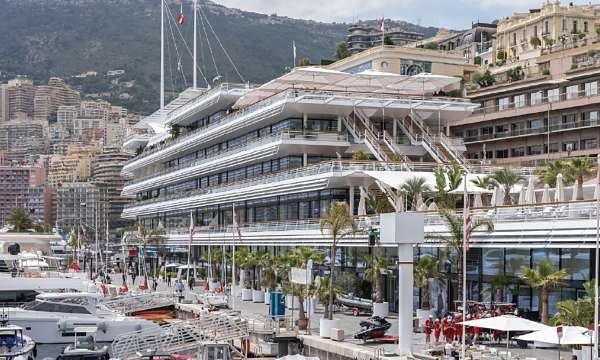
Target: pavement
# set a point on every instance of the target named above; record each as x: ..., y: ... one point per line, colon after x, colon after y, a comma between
x: 350, y: 324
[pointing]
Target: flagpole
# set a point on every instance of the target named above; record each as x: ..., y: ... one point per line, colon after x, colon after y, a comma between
x: 294, y: 49
x: 464, y: 265
x: 195, y: 46
x: 597, y: 266
x: 233, y: 261
x: 190, y: 246
x: 162, y: 56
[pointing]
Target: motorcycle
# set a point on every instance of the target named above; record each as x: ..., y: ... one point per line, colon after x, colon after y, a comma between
x: 373, y: 328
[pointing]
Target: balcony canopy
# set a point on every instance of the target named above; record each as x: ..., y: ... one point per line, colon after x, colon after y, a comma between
x: 315, y: 78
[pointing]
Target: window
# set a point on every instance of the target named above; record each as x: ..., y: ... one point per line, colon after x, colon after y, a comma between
x: 503, y: 103
x: 534, y: 149
x: 587, y: 144
x: 502, y: 154
x: 578, y: 263
x: 585, y: 26
x: 593, y: 118
x: 536, y: 98
x: 574, y: 26
x: 501, y: 128
x: 546, y: 27
x: 519, y: 101
x: 516, y: 259
x: 570, y: 146
x: 572, y: 92
x: 535, y: 30
x: 591, y: 88
x: 493, y: 261
x: 534, y: 124
x: 488, y: 130
x: 564, y: 25
x: 517, y: 152
x: 553, y: 148
x: 553, y: 95
x: 516, y: 127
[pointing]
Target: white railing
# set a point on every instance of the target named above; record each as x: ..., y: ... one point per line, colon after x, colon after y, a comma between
x: 129, y: 304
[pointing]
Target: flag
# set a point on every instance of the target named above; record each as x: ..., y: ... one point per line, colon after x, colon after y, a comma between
x: 468, y: 229
x: 294, y: 48
x: 192, y: 228
x: 181, y: 19
x: 381, y: 23
x: 84, y: 235
x: 236, y: 225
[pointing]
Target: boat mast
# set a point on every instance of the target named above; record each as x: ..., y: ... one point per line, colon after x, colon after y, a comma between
x: 195, y: 54
x: 162, y: 57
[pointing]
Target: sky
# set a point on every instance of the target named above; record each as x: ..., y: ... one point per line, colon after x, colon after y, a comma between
x: 451, y: 14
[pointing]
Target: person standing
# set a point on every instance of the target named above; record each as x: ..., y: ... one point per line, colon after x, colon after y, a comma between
x: 428, y: 326
x: 169, y: 279
x: 437, y: 331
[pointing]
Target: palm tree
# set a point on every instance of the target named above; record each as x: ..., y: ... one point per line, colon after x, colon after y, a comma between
x: 446, y: 180
x: 426, y: 268
x: 244, y: 262
x: 498, y: 282
x: 21, y: 219
x: 454, y: 240
x: 506, y: 178
x: 340, y: 224
x: 485, y: 182
x: 379, y: 204
x: 377, y: 266
x: 412, y: 188
x: 578, y: 169
x: 544, y: 278
x: 548, y: 173
x: 175, y: 131
x: 578, y: 312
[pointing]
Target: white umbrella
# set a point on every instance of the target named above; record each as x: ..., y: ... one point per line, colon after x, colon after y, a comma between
x: 559, y: 193
x: 400, y: 203
x: 418, y: 201
x: 522, y: 195
x: 493, y: 201
x: 499, y: 196
x: 432, y: 206
x: 546, y: 194
x: 530, y: 195
x: 477, y: 202
x: 506, y: 323
x: 362, y: 203
x: 426, y: 82
x: 575, y: 190
x: 571, y: 335
x: 423, y: 207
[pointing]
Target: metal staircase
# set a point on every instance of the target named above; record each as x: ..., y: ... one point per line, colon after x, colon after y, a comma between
x: 180, y: 336
x: 130, y: 304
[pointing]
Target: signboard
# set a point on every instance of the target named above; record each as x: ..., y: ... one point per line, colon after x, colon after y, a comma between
x: 300, y: 276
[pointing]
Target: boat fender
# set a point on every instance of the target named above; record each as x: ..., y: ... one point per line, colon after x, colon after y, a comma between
x: 103, y: 326
x: 62, y: 325
x: 34, y: 351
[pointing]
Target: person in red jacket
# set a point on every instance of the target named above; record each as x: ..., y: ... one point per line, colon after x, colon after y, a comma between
x: 457, y: 328
x: 437, y: 330
x: 445, y: 327
x: 428, y: 326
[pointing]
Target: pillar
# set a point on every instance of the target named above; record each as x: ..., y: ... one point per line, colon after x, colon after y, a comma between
x: 304, y: 121
x: 405, y: 299
x: 339, y: 123
x: 351, y: 200
x: 395, y: 129
x: 304, y: 159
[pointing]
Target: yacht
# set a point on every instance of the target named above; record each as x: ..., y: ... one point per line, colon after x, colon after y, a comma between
x: 25, y: 275
x: 14, y: 345
x: 55, y: 318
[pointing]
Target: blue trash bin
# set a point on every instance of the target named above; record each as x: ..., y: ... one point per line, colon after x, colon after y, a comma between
x: 277, y: 307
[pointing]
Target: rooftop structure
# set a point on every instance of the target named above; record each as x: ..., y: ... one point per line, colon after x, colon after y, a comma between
x: 362, y: 36
x: 471, y: 43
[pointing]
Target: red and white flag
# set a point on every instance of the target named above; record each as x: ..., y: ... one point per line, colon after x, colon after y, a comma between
x: 381, y: 23
x: 236, y: 225
x: 468, y: 229
x: 181, y: 19
x: 192, y: 228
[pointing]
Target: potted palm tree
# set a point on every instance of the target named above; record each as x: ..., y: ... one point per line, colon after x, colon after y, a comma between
x: 506, y: 178
x: 339, y: 223
x: 425, y: 269
x: 319, y: 289
x: 257, y: 260
x: 578, y: 169
x: 269, y: 276
x: 544, y: 278
x: 243, y: 261
x: 378, y: 266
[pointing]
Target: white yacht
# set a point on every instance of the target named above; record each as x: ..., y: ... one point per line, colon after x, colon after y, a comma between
x: 54, y: 317
x: 15, y: 345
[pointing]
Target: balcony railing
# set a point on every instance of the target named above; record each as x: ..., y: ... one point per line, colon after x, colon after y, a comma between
x: 534, y: 131
x: 291, y: 134
x: 544, y: 100
x: 316, y: 95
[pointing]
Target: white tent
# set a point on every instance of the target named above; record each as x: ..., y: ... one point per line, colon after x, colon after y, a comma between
x: 575, y: 190
x: 362, y: 203
x: 530, y: 195
x: 571, y: 335
x: 522, y: 195
x: 426, y: 82
x: 499, y: 196
x: 546, y: 194
x: 559, y: 193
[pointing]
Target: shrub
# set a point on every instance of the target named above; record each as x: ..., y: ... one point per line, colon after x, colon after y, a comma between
x: 477, y: 60
x: 484, y: 80
x: 546, y: 72
x: 431, y: 46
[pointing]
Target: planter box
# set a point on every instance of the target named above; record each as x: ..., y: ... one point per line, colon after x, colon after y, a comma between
x: 325, y: 326
x: 382, y: 309
x: 258, y: 296
x: 246, y: 294
x: 267, y: 298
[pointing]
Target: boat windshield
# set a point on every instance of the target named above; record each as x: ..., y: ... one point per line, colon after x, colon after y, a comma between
x: 55, y: 307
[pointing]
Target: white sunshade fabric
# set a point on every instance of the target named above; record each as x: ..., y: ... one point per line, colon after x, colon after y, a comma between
x: 571, y: 335
x: 426, y: 82
x: 395, y: 179
x: 506, y: 323
x: 559, y: 193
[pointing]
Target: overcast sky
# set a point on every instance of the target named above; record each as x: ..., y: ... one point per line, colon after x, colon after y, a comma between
x: 453, y: 14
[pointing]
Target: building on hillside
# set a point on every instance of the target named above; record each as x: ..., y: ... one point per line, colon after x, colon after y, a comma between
x: 20, y: 98
x: 66, y: 116
x: 551, y: 27
x: 512, y: 125
x: 48, y: 98
x: 4, y: 105
x: 362, y: 36
x: 75, y: 166
x: 81, y: 207
x: 21, y: 138
x: 471, y: 43
x: 24, y: 187
x: 98, y: 109
x: 406, y: 61
x: 107, y: 167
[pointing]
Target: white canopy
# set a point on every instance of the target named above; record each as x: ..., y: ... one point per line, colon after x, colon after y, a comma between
x: 522, y: 195
x: 506, y: 323
x: 546, y: 194
x: 530, y: 194
x: 426, y: 82
x: 559, y: 193
x: 362, y: 203
x: 575, y: 190
x: 173, y: 265
x: 571, y: 335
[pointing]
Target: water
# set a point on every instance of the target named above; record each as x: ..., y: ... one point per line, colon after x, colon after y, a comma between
x: 53, y: 350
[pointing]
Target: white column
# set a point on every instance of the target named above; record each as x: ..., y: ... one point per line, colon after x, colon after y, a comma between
x: 339, y: 123
x: 405, y: 299
x: 395, y: 129
x: 351, y: 200
x: 304, y: 121
x: 304, y: 159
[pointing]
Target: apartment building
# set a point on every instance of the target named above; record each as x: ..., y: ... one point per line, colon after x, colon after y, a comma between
x: 48, y: 98
x: 23, y: 137
x: 20, y: 98
x: 24, y: 187
x: 81, y: 205
x: 75, y: 166
x: 471, y: 43
x: 106, y: 168
x: 362, y: 36
x: 547, y: 109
